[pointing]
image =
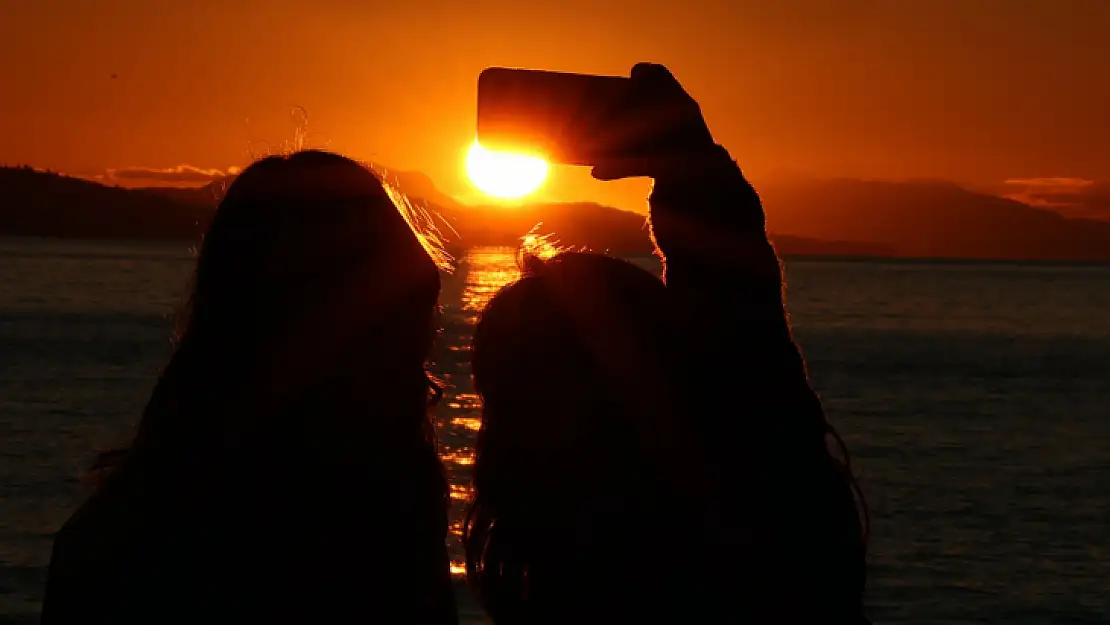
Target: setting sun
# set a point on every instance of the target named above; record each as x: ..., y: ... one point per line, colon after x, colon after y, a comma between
x: 505, y: 175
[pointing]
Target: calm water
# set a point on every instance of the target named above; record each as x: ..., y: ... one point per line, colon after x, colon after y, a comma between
x: 975, y: 397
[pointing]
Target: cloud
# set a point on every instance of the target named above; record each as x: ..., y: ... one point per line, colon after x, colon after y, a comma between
x: 1072, y: 197
x: 182, y: 174
x: 1051, y: 182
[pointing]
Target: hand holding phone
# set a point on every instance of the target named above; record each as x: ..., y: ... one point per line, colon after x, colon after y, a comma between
x: 667, y: 124
x: 618, y: 125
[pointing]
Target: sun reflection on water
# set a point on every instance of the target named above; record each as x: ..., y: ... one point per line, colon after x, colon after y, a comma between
x: 489, y: 269
x: 465, y: 401
x: 470, y: 423
x: 461, y: 457
x: 480, y: 274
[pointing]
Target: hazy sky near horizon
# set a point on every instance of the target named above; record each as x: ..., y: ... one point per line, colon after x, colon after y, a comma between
x: 976, y: 91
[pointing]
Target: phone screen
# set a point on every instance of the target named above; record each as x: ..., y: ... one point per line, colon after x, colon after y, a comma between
x: 565, y: 118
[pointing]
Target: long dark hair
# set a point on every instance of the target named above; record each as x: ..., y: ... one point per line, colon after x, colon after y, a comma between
x: 599, y: 494
x: 581, y: 419
x: 311, y: 314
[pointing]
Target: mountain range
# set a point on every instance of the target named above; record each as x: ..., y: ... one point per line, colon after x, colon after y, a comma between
x: 825, y: 217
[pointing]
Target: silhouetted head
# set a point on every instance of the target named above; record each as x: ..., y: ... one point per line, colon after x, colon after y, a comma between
x: 312, y: 239
x: 311, y: 316
x: 576, y: 366
x: 574, y: 326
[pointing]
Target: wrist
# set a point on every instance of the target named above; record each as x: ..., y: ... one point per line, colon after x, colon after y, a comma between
x: 707, y: 174
x: 710, y: 187
x: 708, y: 162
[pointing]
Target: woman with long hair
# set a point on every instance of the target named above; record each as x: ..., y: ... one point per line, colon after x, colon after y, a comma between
x: 285, y: 467
x: 581, y: 473
x: 656, y: 453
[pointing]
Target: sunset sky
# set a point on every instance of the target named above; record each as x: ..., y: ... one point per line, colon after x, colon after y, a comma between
x: 976, y: 91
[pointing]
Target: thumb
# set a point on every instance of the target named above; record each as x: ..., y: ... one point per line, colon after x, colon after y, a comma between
x: 627, y: 167
x: 653, y: 74
x: 674, y: 164
x: 607, y: 171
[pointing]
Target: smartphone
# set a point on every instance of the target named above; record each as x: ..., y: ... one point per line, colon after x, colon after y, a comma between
x: 571, y: 119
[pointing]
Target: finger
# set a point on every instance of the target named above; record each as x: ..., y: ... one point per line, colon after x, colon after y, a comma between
x: 629, y: 167
x: 647, y: 71
x: 675, y: 164
x: 655, y: 75
x: 607, y: 172
x: 611, y: 171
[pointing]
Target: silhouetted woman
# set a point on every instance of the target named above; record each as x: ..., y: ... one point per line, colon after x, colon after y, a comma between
x: 581, y: 513
x: 749, y: 516
x: 285, y: 468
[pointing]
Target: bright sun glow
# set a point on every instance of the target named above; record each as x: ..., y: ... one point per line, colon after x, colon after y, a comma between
x: 504, y: 174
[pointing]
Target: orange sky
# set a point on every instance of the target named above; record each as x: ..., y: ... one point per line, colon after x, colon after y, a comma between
x: 977, y: 91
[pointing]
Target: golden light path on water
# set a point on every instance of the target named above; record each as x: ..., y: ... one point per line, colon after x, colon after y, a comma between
x: 480, y: 274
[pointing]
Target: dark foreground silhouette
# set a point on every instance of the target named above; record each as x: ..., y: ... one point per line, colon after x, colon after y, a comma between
x: 285, y: 469
x: 607, y: 393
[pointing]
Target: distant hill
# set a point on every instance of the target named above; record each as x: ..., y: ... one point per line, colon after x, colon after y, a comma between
x: 604, y: 228
x: 417, y: 185
x: 931, y: 219
x: 205, y: 197
x: 34, y: 203
x: 807, y: 216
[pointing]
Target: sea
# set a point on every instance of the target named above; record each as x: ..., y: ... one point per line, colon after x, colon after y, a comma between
x: 974, y: 397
